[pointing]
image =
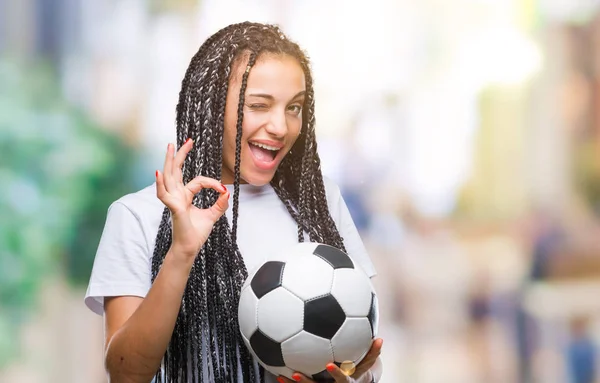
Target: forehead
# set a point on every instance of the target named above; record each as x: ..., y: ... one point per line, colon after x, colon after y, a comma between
x: 273, y: 72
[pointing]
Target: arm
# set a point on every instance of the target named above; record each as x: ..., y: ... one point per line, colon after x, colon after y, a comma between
x: 135, y: 345
x: 138, y: 330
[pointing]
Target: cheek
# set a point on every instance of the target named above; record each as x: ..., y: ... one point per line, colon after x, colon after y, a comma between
x: 229, y: 130
x: 295, y: 127
x: 251, y: 123
x: 230, y: 133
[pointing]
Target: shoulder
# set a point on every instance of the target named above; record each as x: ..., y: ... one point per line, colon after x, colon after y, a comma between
x: 332, y: 191
x: 346, y: 227
x: 123, y: 257
x: 136, y: 213
x: 335, y: 200
x: 141, y: 204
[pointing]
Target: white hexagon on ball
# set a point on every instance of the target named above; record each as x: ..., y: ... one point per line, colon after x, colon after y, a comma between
x: 308, y: 363
x: 307, y: 276
x: 352, y: 340
x: 352, y: 289
x: 248, y: 304
x: 280, y: 314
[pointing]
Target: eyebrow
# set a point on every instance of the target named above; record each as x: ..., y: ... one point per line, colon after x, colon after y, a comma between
x: 270, y: 97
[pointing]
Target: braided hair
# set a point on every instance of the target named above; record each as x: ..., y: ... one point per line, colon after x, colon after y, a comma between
x: 206, y: 342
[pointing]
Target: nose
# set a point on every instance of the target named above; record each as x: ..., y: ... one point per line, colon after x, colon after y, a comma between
x: 277, y: 124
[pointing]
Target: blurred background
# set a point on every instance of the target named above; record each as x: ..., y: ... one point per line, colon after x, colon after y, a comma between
x: 465, y: 136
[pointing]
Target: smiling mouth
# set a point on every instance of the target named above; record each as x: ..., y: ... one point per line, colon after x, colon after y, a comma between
x: 262, y: 152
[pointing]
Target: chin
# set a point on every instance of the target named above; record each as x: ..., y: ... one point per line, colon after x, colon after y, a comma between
x: 258, y: 179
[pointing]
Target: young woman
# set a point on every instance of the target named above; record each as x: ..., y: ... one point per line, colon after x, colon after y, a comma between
x: 173, y: 256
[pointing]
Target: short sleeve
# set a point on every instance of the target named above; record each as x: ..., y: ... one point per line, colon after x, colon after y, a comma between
x: 352, y: 241
x: 122, y: 263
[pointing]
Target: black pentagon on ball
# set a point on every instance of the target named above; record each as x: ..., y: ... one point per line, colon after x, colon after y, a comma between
x: 267, y: 278
x: 323, y: 316
x: 266, y: 349
x: 335, y: 257
x: 373, y: 315
x: 324, y: 376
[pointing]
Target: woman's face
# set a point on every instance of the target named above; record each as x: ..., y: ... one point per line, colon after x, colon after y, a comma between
x: 272, y: 117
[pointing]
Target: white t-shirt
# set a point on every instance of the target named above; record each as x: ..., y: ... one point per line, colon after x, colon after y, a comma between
x: 123, y: 260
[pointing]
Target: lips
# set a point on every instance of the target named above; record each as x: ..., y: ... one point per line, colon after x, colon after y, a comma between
x: 265, y: 154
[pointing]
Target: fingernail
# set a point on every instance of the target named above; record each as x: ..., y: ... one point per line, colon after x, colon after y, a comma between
x: 297, y: 377
x: 224, y: 187
x: 330, y: 367
x: 156, y: 174
x: 280, y: 380
x: 169, y: 146
x: 188, y: 140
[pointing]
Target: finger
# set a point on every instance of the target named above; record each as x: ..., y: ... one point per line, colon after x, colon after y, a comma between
x: 374, y: 351
x: 201, y: 182
x: 220, y: 206
x: 369, y: 360
x: 222, y: 203
x: 160, y: 186
x: 161, y: 192
x: 283, y: 379
x: 167, y: 170
x: 180, y: 158
x: 300, y: 378
x: 337, y: 373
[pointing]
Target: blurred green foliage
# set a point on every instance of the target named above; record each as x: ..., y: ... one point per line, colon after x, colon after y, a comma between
x: 59, y: 172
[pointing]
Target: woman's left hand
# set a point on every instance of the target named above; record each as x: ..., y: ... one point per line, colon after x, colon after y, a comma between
x: 363, y: 367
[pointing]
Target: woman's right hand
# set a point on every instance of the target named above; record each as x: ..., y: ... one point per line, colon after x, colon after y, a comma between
x: 191, y: 225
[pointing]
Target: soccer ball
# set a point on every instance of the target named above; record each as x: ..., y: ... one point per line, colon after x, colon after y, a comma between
x: 307, y: 308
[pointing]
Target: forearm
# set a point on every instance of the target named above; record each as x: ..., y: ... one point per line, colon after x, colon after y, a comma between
x: 135, y: 351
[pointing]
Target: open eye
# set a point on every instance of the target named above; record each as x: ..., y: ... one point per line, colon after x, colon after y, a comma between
x: 295, y: 109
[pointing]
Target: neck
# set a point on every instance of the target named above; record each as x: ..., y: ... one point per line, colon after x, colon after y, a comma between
x: 227, y: 177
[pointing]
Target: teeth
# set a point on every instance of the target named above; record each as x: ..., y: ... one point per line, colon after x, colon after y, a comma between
x: 267, y: 147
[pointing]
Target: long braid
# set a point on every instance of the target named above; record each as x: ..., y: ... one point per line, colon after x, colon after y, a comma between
x: 238, y: 143
x: 206, y: 338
